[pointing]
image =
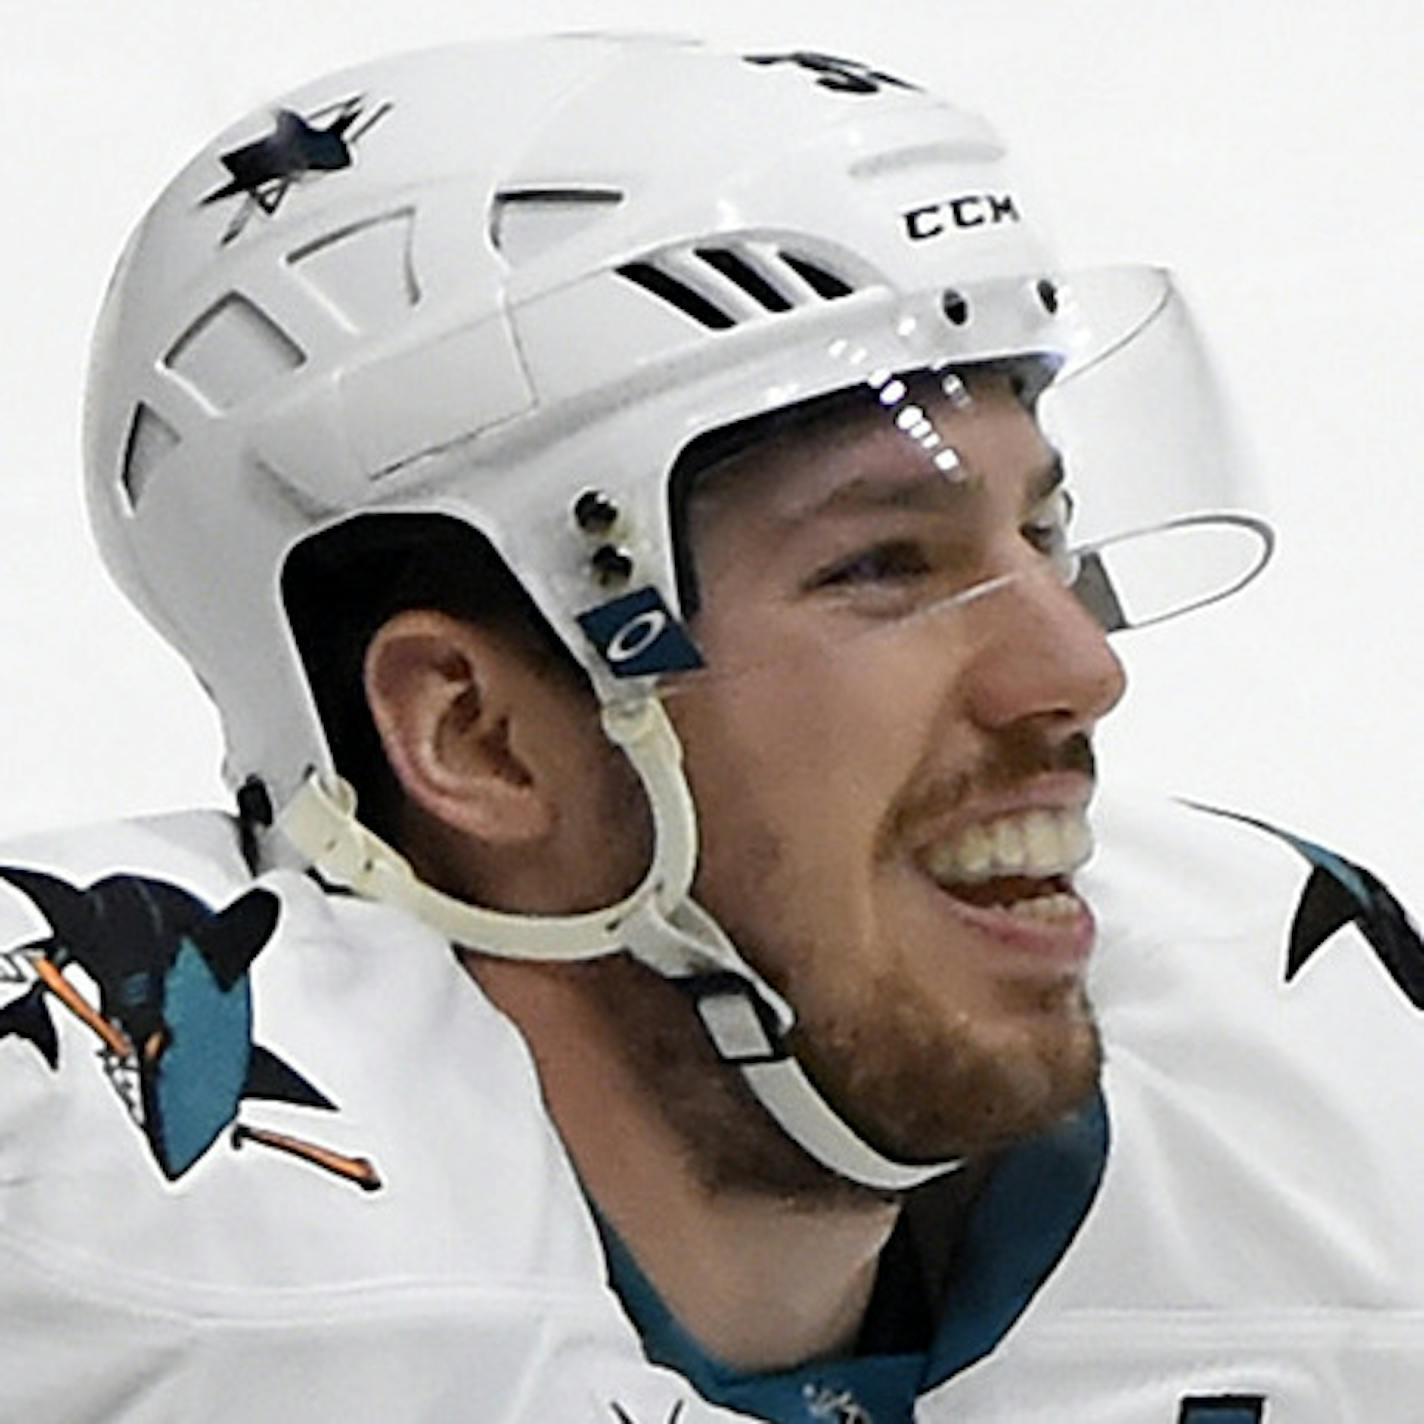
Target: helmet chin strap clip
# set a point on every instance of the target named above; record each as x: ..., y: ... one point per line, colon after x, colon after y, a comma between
x: 740, y: 1024
x: 744, y: 1031
x: 748, y: 1022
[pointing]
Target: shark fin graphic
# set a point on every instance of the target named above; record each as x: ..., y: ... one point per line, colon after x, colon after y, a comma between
x: 1340, y: 892
x: 28, y: 1017
x: 229, y: 942
x: 1325, y: 906
x: 1395, y: 939
x: 269, y: 1077
x: 69, y: 913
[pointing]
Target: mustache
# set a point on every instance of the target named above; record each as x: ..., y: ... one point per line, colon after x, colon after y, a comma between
x: 1018, y: 756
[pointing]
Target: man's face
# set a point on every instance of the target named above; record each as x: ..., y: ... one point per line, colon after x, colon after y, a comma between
x: 889, y: 786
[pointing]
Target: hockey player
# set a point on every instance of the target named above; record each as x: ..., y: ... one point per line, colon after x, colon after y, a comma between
x: 650, y: 519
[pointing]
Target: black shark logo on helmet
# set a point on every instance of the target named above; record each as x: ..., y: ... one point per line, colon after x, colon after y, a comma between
x: 264, y: 172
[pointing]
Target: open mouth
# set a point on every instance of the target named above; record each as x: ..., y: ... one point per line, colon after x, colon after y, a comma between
x: 1047, y: 899
x: 1011, y: 877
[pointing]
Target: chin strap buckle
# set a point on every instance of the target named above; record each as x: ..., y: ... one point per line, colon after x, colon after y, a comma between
x: 743, y: 1029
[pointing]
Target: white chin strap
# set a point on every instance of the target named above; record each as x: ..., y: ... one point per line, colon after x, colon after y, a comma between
x: 746, y: 1019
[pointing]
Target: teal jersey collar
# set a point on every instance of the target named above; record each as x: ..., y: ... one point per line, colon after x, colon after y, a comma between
x: 1020, y: 1225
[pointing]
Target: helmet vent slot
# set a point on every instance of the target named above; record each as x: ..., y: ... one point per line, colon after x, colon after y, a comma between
x: 678, y: 294
x: 364, y: 273
x: 824, y: 283
x: 527, y: 222
x: 736, y: 269
x: 230, y: 352
x: 732, y: 285
x: 150, y: 439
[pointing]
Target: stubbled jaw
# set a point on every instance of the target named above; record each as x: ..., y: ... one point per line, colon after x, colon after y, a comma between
x: 1016, y: 869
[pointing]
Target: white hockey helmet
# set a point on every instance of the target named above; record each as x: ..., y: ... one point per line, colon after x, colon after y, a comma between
x: 509, y: 284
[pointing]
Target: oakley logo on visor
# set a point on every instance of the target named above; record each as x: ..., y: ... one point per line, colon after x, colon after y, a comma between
x: 637, y: 636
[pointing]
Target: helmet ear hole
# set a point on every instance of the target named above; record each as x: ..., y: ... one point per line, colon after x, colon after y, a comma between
x: 340, y: 586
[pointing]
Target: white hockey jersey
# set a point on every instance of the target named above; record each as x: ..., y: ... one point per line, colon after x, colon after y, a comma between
x: 1256, y: 1251
x: 350, y: 1205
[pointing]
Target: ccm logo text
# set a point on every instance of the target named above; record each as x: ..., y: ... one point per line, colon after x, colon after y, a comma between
x: 967, y: 210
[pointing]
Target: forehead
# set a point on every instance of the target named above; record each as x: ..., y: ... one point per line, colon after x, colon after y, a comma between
x: 925, y: 449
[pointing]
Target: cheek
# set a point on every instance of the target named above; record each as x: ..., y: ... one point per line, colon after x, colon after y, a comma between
x: 861, y: 715
x: 798, y: 772
x: 782, y: 743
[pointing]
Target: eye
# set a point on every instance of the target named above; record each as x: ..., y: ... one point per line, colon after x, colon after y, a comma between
x: 895, y: 561
x: 1047, y: 528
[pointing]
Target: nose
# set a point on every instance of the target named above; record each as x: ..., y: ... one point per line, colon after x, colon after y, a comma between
x: 1042, y: 658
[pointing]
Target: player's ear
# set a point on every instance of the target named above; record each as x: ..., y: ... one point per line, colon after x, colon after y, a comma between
x: 451, y: 703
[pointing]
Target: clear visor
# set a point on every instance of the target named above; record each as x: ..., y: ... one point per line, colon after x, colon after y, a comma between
x: 1023, y: 442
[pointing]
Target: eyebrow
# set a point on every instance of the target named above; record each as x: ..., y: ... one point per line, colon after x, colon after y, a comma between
x: 925, y: 493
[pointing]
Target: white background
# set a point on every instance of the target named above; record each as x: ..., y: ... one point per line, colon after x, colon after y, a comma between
x: 1272, y: 151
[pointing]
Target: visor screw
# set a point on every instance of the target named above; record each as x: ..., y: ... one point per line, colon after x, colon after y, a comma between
x: 955, y: 307
x: 612, y: 564
x: 595, y: 512
x: 1048, y: 295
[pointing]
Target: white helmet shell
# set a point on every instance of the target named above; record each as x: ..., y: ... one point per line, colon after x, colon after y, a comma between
x: 481, y: 280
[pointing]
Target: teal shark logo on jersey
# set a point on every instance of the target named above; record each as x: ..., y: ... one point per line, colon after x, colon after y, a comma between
x: 174, y: 1010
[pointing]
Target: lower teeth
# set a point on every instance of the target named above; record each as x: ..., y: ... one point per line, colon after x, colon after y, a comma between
x: 1045, y: 907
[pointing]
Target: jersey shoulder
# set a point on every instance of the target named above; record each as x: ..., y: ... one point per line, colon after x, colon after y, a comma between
x: 1254, y: 1248
x: 252, y: 1133
x: 1222, y: 899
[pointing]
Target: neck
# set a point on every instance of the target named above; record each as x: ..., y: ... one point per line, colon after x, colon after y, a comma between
x: 765, y: 1269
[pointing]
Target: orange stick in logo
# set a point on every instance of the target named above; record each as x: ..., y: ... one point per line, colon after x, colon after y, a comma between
x: 359, y: 1170
x: 72, y: 1000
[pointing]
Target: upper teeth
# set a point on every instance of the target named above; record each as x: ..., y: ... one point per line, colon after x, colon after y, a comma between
x: 1031, y: 843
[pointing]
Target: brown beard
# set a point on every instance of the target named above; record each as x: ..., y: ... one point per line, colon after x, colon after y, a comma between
x: 919, y: 1089
x: 912, y: 1086
x: 731, y: 1144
